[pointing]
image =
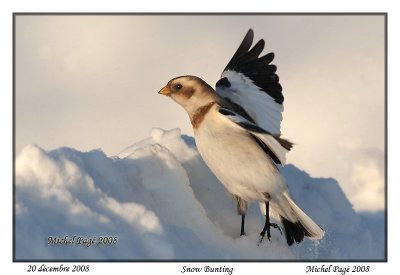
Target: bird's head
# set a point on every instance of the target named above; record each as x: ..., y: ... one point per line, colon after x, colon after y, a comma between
x: 190, y: 92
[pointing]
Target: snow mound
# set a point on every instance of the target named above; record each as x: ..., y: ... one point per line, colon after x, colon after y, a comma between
x: 162, y: 202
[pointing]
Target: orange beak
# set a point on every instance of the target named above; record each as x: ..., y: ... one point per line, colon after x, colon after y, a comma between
x: 164, y: 91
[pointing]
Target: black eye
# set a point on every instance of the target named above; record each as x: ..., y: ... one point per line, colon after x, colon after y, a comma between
x: 178, y: 86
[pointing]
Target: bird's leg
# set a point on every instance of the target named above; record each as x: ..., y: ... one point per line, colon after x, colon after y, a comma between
x: 242, y: 210
x: 242, y: 226
x: 267, y: 226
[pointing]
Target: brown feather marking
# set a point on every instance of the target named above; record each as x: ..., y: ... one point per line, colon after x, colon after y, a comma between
x: 187, y: 92
x: 198, y: 116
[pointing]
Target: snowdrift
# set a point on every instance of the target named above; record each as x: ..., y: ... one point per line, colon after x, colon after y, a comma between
x: 157, y: 200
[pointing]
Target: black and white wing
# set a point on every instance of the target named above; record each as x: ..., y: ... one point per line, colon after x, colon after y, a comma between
x: 250, y: 83
x: 273, y: 145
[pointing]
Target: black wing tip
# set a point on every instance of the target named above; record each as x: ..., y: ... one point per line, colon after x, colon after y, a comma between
x: 250, y: 33
x: 243, y: 48
x: 268, y: 58
x: 247, y: 40
x: 246, y: 61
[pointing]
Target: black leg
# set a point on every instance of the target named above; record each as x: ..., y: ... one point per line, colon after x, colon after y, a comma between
x: 267, y: 226
x: 242, y: 209
x: 242, y: 227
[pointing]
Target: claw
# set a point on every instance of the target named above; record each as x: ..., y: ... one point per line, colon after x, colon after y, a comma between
x: 267, y: 230
x: 274, y: 225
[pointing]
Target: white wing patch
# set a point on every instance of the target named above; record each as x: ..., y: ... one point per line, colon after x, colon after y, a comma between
x: 258, y: 104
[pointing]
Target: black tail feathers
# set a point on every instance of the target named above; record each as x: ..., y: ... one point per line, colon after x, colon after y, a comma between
x: 294, y: 231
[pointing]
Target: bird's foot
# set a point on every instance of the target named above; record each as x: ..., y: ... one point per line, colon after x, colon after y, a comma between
x: 267, y: 229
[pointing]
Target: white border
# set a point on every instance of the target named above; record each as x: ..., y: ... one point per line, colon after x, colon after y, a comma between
x: 8, y: 7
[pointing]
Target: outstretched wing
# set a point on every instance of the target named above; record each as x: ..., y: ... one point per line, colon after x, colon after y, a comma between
x: 251, y: 85
x: 274, y: 146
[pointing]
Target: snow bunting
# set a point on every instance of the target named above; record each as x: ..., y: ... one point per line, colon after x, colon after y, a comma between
x: 237, y: 132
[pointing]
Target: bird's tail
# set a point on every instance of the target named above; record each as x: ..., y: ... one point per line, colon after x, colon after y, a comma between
x: 299, y: 225
x: 296, y: 223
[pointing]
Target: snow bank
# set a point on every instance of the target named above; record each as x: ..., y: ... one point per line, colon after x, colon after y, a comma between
x: 161, y: 202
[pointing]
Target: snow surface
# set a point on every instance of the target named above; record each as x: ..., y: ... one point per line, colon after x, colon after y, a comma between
x: 162, y: 202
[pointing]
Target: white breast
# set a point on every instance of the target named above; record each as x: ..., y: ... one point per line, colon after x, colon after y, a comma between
x: 236, y: 159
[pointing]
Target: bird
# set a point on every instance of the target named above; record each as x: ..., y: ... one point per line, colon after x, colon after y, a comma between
x: 237, y: 132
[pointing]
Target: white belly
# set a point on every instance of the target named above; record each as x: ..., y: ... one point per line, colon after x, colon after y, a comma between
x: 237, y: 160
